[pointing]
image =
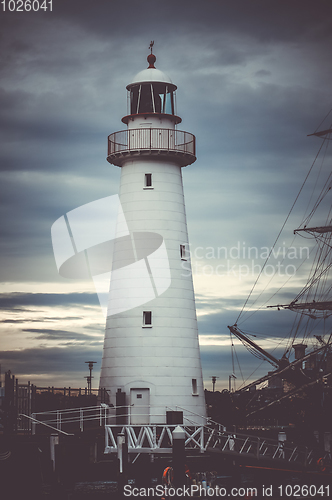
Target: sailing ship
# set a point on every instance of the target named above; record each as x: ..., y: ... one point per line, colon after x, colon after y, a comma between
x: 310, y: 338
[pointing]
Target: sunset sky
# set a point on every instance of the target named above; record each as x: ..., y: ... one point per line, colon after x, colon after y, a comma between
x: 253, y: 77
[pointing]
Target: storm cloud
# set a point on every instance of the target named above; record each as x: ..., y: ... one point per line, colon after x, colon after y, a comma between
x: 253, y: 80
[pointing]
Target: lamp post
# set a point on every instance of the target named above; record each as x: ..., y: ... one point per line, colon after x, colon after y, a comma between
x: 214, y: 380
x: 90, y: 377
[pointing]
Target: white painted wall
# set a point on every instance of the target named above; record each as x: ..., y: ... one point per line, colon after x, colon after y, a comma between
x: 165, y: 357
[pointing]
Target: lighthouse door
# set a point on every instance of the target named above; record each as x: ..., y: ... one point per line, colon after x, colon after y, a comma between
x: 139, y: 406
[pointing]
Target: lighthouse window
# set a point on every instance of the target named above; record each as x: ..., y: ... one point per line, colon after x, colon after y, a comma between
x: 167, y: 102
x: 169, y: 108
x: 147, y: 318
x: 148, y: 181
x: 145, y: 104
x: 194, y: 386
x: 183, y: 252
x: 134, y: 94
x: 151, y: 98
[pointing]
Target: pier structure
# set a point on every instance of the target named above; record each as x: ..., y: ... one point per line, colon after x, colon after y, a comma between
x: 157, y: 439
x: 151, y: 358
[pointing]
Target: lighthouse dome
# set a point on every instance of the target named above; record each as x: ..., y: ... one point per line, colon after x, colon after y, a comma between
x: 151, y: 75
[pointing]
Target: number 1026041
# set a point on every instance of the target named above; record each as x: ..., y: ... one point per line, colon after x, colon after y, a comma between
x: 26, y: 5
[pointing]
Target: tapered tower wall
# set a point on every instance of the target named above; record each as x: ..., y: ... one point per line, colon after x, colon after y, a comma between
x: 151, y: 350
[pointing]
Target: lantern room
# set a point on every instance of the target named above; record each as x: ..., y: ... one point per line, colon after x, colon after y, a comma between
x: 151, y: 95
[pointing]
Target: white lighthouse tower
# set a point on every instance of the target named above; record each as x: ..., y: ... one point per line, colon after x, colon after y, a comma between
x: 151, y: 352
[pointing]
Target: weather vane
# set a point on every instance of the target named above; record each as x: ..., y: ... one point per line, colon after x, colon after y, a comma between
x: 151, y: 45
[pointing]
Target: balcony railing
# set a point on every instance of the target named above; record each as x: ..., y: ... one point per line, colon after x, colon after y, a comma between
x: 149, y: 141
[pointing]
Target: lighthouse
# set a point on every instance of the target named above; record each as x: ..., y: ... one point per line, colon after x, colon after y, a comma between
x: 151, y: 353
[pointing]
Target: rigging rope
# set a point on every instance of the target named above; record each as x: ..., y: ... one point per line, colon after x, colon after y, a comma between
x: 232, y: 351
x: 323, y: 120
x: 263, y: 360
x: 282, y: 227
x: 237, y: 359
x: 308, y: 217
x: 275, y: 293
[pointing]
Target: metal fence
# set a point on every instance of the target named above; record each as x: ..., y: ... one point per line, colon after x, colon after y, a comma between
x: 70, y: 420
x: 151, y: 139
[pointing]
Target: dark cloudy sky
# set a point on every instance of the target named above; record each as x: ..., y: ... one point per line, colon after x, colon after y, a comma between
x: 254, y: 78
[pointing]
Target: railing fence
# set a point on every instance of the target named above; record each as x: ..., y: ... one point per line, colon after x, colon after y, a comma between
x: 151, y: 139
